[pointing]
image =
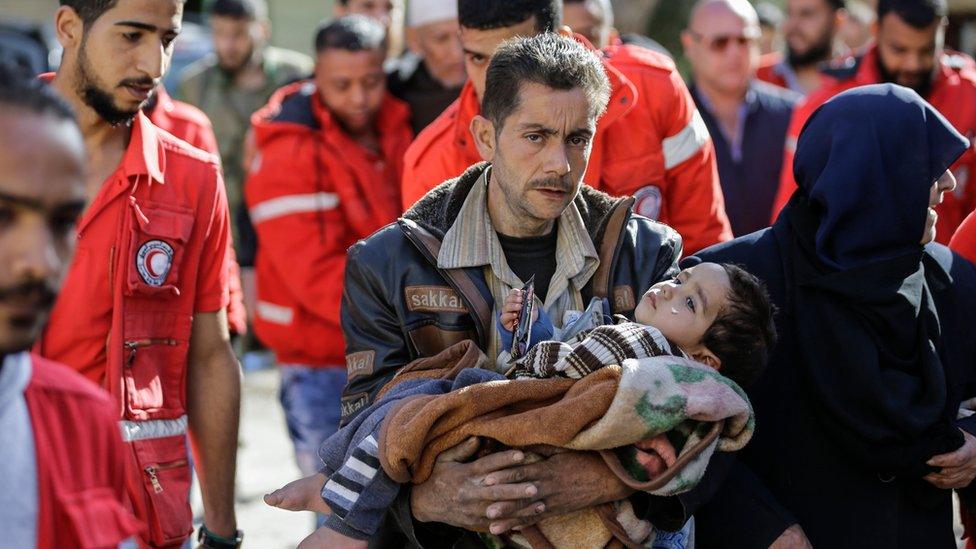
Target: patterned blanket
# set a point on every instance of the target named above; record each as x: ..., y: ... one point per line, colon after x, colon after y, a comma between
x: 610, y: 408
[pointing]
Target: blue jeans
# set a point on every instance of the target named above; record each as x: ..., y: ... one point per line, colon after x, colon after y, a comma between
x: 310, y: 398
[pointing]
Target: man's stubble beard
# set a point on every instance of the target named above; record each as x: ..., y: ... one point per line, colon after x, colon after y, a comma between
x: 88, y: 89
x: 819, y: 52
x: 250, y: 59
x: 923, y: 88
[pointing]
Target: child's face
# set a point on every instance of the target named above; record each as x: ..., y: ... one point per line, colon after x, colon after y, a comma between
x: 684, y: 308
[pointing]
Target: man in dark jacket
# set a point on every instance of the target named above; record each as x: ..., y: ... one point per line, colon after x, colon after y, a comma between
x: 432, y: 278
x: 747, y: 118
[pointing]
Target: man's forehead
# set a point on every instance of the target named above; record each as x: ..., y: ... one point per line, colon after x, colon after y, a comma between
x: 486, y: 41
x: 893, y: 22
x: 161, y: 14
x: 542, y: 107
x: 362, y: 61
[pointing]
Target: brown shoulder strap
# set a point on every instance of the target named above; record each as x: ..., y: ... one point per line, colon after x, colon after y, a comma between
x: 608, y: 247
x: 460, y: 278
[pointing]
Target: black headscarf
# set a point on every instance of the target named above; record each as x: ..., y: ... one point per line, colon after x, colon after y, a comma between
x: 866, y: 321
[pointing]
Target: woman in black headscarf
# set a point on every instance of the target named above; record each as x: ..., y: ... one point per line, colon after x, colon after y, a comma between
x: 857, y: 434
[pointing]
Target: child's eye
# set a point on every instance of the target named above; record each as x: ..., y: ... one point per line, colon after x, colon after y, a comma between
x: 691, y: 303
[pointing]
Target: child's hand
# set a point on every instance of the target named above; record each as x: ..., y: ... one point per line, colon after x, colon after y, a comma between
x: 511, y: 309
x: 513, y: 306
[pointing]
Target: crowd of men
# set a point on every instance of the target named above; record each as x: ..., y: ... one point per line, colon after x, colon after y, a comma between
x: 366, y: 208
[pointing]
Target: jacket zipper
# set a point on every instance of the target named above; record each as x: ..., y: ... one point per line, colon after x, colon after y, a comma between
x: 134, y: 345
x: 152, y: 470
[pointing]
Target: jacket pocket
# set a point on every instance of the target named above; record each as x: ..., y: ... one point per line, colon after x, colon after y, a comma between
x: 159, y: 237
x: 97, y: 519
x: 431, y: 339
x: 165, y: 472
x: 152, y: 386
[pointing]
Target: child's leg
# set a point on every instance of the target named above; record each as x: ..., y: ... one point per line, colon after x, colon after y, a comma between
x: 325, y: 538
x: 304, y: 494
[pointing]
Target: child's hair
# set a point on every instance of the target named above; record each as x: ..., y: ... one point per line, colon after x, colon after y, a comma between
x: 743, y: 332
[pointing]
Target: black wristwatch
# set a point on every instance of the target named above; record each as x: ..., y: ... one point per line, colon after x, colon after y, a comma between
x: 209, y: 539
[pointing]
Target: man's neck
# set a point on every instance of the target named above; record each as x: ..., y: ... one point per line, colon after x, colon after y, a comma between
x: 808, y: 76
x: 104, y: 142
x: 724, y: 105
x: 97, y: 132
x: 252, y: 76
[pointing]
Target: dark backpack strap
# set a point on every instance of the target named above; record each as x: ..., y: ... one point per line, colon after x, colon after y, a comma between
x: 460, y: 279
x: 600, y: 284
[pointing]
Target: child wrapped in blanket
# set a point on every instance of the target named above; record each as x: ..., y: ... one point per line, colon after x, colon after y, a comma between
x: 717, y: 315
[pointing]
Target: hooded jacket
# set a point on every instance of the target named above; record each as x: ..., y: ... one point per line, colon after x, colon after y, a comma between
x: 313, y: 192
x: 650, y: 143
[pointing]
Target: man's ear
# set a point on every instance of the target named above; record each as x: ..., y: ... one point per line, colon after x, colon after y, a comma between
x: 687, y: 40
x: 68, y: 27
x: 707, y: 358
x: 483, y: 131
x: 413, y: 41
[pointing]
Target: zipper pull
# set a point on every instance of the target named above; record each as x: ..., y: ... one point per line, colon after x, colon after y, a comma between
x: 157, y: 487
x: 131, y: 346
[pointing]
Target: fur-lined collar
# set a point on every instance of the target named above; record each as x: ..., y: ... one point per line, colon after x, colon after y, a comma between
x: 438, y: 209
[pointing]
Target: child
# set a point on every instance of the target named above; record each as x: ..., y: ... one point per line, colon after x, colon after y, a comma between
x: 718, y: 315
x: 715, y: 314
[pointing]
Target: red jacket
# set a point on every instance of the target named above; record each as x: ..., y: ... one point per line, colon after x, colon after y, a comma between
x: 770, y: 70
x: 191, y: 125
x: 184, y: 121
x: 953, y: 94
x: 81, y: 461
x: 964, y: 241
x: 313, y: 192
x: 650, y: 143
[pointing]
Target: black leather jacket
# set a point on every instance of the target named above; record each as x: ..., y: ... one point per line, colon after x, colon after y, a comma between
x: 398, y: 306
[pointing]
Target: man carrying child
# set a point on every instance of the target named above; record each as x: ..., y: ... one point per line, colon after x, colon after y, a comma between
x: 462, y: 249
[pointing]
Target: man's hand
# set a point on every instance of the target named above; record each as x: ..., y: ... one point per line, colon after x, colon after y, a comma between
x: 958, y: 467
x: 458, y: 493
x: 566, y: 482
x: 792, y: 538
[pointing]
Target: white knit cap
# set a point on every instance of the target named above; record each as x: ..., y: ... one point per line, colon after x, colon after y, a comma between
x: 422, y: 12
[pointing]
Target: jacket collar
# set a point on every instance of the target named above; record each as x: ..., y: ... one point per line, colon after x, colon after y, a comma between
x: 471, y: 241
x: 437, y: 210
x: 144, y: 154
